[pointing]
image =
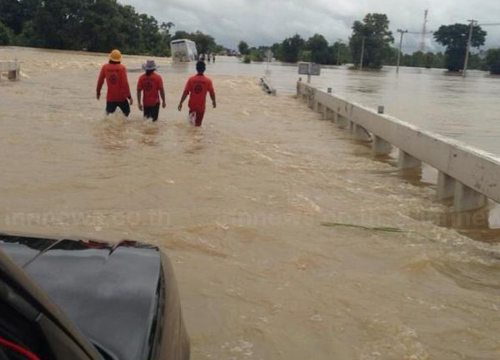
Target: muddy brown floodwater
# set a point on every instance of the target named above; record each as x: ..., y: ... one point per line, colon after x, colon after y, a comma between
x: 238, y: 206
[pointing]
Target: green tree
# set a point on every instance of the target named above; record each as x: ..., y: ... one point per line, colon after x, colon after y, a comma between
x: 166, y: 37
x: 374, y: 29
x: 418, y: 59
x: 180, y: 34
x: 243, y: 48
x: 108, y: 27
x: 291, y: 49
x: 204, y: 43
x: 406, y: 60
x: 391, y: 57
x: 306, y: 56
x: 5, y: 35
x: 255, y: 55
x: 318, y: 46
x: 28, y: 37
x: 59, y: 23
x: 94, y: 25
x: 151, y: 36
x: 429, y: 60
x: 476, y: 62
x: 129, y: 31
x: 277, y: 50
x: 455, y: 38
x: 13, y: 13
x: 345, y: 54
x: 493, y: 60
x: 166, y: 26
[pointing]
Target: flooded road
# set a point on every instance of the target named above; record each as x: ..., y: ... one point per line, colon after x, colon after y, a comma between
x: 464, y: 109
x: 245, y: 207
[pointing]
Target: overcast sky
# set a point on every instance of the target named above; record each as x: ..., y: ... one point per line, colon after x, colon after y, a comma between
x: 264, y: 22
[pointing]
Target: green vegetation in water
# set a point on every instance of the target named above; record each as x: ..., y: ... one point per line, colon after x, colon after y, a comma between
x: 455, y: 38
x: 379, y: 48
x: 252, y: 54
x: 493, y: 61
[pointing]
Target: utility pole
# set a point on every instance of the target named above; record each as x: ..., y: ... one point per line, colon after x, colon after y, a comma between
x: 469, y: 41
x: 424, y: 31
x: 362, y: 54
x: 338, y: 55
x: 402, y: 32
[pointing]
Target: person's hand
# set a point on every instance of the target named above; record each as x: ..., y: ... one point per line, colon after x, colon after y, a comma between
x: 179, y: 107
x: 214, y: 104
x: 140, y: 106
x: 164, y: 105
x: 98, y: 96
x: 131, y: 101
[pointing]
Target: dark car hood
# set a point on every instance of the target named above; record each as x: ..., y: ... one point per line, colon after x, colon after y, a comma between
x: 109, y: 292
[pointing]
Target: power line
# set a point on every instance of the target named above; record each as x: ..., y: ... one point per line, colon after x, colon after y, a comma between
x: 419, y: 32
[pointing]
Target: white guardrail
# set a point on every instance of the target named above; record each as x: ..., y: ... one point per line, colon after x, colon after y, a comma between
x: 11, y: 67
x: 468, y: 174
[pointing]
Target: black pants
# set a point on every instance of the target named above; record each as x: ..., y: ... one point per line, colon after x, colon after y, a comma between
x: 123, y: 105
x: 152, y: 112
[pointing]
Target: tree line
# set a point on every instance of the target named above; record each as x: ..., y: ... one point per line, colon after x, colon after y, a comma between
x: 372, y: 40
x: 92, y: 25
x: 205, y: 43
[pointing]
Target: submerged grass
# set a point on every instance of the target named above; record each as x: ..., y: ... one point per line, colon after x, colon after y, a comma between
x: 376, y: 228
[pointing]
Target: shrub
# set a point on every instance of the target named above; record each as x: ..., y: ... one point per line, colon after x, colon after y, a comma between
x: 5, y: 35
x: 493, y: 60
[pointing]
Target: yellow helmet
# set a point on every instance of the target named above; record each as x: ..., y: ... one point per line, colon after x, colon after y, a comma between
x: 115, y: 55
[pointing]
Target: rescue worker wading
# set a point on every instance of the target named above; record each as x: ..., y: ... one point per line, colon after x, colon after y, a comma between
x: 197, y: 88
x: 152, y: 85
x: 115, y: 75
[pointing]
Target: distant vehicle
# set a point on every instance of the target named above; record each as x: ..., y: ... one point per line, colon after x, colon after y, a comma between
x: 183, y: 50
x: 88, y: 300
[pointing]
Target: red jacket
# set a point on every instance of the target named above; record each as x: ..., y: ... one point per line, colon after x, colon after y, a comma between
x: 151, y: 85
x: 117, y: 82
x: 197, y: 87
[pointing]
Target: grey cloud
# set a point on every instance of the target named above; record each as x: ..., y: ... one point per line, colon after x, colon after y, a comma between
x: 263, y: 22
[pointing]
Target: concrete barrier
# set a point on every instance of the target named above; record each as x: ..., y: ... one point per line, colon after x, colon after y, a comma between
x: 468, y: 174
x: 13, y: 68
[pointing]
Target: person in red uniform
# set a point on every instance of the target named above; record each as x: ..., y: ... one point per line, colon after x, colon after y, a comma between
x: 197, y: 88
x: 115, y: 75
x: 152, y: 85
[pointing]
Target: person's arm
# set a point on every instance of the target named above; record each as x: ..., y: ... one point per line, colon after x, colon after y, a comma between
x: 100, y: 82
x: 212, y: 95
x: 184, y: 95
x: 126, y: 86
x: 139, y: 104
x: 162, y: 92
x: 139, y: 93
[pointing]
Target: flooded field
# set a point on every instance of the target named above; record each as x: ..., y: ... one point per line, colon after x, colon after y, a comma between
x: 256, y: 210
